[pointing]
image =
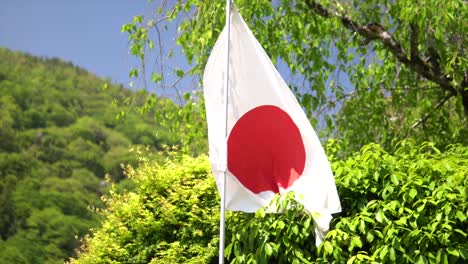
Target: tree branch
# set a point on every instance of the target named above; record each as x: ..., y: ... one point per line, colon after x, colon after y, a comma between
x: 336, y: 100
x: 376, y: 32
x: 413, y: 42
x: 438, y: 105
x: 174, y: 85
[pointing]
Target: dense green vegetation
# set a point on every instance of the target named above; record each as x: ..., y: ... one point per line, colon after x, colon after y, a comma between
x: 391, y: 86
x: 400, y: 162
x: 406, y: 207
x: 59, y: 137
x: 364, y: 71
x: 171, y: 217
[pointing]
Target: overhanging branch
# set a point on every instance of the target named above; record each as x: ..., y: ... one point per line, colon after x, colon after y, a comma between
x: 376, y: 32
x: 413, y: 42
x: 438, y: 105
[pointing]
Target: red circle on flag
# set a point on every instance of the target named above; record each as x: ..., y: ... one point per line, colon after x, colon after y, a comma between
x: 265, y: 150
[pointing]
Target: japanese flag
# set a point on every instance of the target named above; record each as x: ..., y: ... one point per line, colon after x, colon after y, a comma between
x: 271, y: 146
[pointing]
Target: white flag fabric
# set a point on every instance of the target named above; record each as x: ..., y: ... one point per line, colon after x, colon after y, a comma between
x: 271, y: 146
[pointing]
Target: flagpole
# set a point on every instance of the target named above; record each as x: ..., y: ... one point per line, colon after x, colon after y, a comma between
x: 222, y: 219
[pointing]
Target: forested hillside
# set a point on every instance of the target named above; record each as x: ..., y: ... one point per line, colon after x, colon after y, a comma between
x: 59, y: 137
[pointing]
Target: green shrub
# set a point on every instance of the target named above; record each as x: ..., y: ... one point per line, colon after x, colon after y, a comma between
x: 262, y: 237
x: 407, y: 207
x: 170, y: 217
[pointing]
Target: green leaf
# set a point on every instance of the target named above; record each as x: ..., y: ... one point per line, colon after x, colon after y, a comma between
x: 281, y: 225
x: 392, y: 254
x: 370, y: 237
x: 461, y: 216
x: 133, y: 73
x: 227, y: 250
x: 187, y: 96
x: 362, y: 226
x: 268, y: 249
x: 307, y: 223
x: 138, y: 19
x: 179, y: 73
x: 380, y: 216
x: 383, y: 253
x: 351, y: 260
x: 452, y: 251
x: 237, y: 249
x: 328, y: 247
x: 394, y: 179
x: 156, y: 77
x: 463, y: 253
x: 356, y: 242
x: 421, y: 260
x: 295, y: 230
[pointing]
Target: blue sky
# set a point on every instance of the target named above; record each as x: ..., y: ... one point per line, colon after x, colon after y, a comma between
x: 85, y: 32
x: 88, y: 33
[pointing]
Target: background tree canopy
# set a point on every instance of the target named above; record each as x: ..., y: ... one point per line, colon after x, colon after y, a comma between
x: 364, y: 71
x: 59, y: 137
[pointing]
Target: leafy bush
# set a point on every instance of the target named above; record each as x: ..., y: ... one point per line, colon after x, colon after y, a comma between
x: 409, y: 206
x: 272, y: 238
x: 170, y: 217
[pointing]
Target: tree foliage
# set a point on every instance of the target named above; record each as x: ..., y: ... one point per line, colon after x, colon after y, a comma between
x: 364, y: 71
x: 59, y: 136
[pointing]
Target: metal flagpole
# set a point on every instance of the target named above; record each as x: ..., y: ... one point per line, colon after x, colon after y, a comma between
x: 222, y: 219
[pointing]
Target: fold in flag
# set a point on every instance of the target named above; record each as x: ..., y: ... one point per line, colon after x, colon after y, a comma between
x: 271, y: 146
